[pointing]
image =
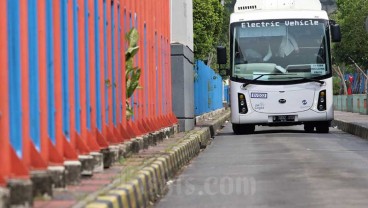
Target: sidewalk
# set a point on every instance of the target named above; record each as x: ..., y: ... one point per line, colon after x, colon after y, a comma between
x: 140, y: 179
x: 353, y: 123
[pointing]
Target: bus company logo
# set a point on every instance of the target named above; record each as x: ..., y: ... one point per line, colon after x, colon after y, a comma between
x: 259, y: 95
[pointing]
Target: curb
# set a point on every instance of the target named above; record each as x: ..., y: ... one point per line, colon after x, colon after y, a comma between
x: 150, y: 182
x: 351, y: 128
x: 215, y: 125
x: 4, y: 197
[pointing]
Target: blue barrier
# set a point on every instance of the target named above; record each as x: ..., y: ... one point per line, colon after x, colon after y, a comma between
x: 227, y: 93
x: 208, y: 89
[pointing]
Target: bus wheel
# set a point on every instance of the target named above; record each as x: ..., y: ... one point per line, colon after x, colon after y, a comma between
x: 309, y: 128
x: 240, y: 129
x: 323, y: 127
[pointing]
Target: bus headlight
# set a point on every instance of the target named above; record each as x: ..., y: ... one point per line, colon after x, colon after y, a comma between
x: 322, y: 101
x: 242, y: 104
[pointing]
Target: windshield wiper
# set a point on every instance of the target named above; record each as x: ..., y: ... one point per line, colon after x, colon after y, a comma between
x: 311, y: 80
x: 255, y: 79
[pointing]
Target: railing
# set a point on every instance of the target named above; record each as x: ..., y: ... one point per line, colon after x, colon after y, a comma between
x: 208, y: 89
x: 62, y: 76
x: 351, y: 103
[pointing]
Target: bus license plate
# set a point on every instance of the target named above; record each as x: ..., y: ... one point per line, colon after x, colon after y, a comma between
x: 283, y: 118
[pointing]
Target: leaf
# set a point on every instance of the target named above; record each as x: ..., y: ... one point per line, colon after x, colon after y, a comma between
x: 132, y: 37
x: 130, y: 53
x: 132, y: 74
x: 129, y: 112
x: 107, y: 83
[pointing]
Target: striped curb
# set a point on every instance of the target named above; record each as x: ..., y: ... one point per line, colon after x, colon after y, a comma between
x: 150, y: 183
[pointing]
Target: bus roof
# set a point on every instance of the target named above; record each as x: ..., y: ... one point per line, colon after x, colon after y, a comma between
x: 249, y: 5
x: 277, y: 14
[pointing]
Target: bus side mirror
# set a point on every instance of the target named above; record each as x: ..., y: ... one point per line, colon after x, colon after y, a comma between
x: 222, y: 59
x: 335, y: 33
x: 221, y: 55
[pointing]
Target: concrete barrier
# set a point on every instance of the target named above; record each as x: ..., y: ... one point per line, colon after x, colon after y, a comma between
x: 351, y: 128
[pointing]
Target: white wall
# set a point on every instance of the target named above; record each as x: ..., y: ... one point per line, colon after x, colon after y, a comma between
x: 182, y: 22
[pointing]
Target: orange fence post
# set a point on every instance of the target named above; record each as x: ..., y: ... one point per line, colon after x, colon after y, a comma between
x: 5, y: 168
x: 101, y: 140
x: 82, y: 69
x: 109, y: 68
x: 48, y: 150
x: 116, y: 72
x: 10, y: 48
x: 62, y: 145
x: 123, y: 26
x: 93, y: 31
x: 31, y: 156
x: 24, y: 81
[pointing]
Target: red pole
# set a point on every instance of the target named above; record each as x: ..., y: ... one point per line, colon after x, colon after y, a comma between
x: 57, y: 77
x: 144, y: 115
x: 117, y: 69
x: 71, y: 73
x: 5, y: 167
x: 172, y: 115
x: 151, y: 32
x: 24, y: 77
x: 145, y: 67
x: 82, y: 68
x: 102, y: 64
x: 31, y: 157
x: 48, y: 150
x: 109, y: 61
x: 91, y: 139
x: 122, y: 46
x: 97, y: 134
x: 159, y: 25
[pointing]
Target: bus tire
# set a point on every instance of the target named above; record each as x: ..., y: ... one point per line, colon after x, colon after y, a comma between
x: 309, y: 128
x: 240, y: 129
x: 323, y: 127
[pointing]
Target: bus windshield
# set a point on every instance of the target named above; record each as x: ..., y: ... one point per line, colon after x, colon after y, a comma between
x: 280, y: 50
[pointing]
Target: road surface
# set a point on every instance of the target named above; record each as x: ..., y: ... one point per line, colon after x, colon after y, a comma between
x: 275, y: 167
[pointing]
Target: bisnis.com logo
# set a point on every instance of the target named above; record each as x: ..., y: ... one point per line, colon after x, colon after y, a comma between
x: 239, y: 186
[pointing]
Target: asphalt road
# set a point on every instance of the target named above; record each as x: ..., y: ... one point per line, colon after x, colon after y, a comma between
x: 275, y: 167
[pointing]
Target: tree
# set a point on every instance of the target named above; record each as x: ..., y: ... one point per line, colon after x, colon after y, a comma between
x: 352, y: 53
x: 211, y: 28
x: 351, y: 15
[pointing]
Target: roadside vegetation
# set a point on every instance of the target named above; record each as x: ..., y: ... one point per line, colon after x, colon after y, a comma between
x: 211, y: 28
x: 351, y: 55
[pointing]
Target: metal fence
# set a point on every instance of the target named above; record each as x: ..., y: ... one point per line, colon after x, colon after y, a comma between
x: 356, y: 103
x: 62, y: 91
x: 208, y: 89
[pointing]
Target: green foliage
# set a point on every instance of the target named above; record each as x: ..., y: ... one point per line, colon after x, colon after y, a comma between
x: 351, y: 16
x: 336, y: 85
x: 132, y: 73
x: 211, y: 25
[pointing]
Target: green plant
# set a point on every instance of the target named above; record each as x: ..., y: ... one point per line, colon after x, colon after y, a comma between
x: 132, y: 73
x: 336, y: 85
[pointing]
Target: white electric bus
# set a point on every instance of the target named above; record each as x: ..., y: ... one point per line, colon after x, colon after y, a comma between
x: 280, y: 65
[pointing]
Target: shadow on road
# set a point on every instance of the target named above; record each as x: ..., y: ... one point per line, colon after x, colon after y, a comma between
x: 266, y: 132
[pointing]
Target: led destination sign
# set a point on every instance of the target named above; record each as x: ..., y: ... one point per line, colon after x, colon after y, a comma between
x: 291, y: 23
